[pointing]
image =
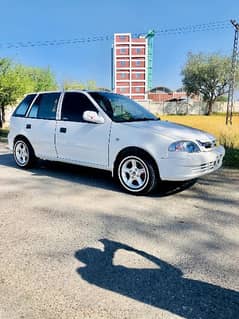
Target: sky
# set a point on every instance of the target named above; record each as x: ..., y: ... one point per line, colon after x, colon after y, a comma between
x: 43, y: 20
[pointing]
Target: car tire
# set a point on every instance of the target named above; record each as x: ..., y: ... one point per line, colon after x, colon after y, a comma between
x: 23, y: 153
x: 136, y: 173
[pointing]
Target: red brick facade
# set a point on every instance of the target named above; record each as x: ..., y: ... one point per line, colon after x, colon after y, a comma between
x: 130, y: 66
x: 162, y: 97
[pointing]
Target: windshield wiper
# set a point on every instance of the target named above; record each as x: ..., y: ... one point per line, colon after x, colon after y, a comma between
x: 143, y: 119
x: 140, y: 119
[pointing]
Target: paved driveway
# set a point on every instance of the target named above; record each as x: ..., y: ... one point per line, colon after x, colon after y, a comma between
x: 73, y: 246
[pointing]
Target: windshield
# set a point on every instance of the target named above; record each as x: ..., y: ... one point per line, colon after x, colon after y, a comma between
x: 120, y: 108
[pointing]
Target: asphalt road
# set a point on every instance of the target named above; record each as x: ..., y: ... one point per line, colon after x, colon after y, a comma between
x: 72, y: 245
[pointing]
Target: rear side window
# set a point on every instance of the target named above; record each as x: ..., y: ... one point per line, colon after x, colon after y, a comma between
x: 45, y: 106
x: 22, y: 108
x: 74, y: 105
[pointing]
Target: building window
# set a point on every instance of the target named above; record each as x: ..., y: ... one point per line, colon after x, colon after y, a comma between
x: 138, y: 63
x: 137, y: 89
x: 123, y: 75
x: 122, y: 37
x: 123, y: 63
x: 122, y: 90
x: 138, y: 50
x: 123, y: 51
x: 138, y: 75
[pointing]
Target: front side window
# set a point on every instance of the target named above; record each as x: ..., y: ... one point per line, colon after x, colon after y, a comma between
x: 122, y: 109
x: 74, y: 105
x: 22, y: 108
x: 45, y: 106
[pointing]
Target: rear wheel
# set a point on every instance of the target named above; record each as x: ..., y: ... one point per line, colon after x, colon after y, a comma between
x: 137, y: 174
x: 23, y: 153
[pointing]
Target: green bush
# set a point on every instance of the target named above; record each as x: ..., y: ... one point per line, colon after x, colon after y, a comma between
x: 3, y: 132
x: 231, y: 158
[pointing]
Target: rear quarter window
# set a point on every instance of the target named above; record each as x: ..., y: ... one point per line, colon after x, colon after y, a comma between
x: 45, y: 106
x: 23, y: 107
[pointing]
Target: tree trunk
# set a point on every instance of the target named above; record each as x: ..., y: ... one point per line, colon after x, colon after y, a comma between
x: 1, y: 123
x: 3, y: 114
x: 209, y: 107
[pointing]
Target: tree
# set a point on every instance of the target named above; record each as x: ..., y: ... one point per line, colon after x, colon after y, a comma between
x: 74, y: 85
x: 207, y: 75
x: 17, y: 80
x: 9, y: 87
x: 42, y: 79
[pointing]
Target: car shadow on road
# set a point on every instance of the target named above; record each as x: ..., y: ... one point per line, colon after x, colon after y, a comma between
x: 164, y: 288
x: 90, y: 176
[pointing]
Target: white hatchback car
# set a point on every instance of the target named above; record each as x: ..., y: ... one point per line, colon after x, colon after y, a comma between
x: 111, y: 132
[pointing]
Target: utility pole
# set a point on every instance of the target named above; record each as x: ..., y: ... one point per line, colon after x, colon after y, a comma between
x: 233, y: 74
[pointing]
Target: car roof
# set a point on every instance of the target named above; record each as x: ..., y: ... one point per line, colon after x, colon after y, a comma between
x: 61, y: 91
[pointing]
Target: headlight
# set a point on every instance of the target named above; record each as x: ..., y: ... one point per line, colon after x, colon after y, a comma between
x: 209, y: 144
x: 184, y: 146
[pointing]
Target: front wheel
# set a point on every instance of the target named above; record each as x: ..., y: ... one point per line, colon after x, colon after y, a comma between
x: 137, y: 174
x: 23, y: 154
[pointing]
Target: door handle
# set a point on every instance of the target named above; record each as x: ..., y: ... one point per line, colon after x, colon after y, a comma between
x: 62, y: 129
x: 28, y: 126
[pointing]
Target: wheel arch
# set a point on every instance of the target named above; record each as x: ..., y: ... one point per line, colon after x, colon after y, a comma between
x: 136, y: 151
x: 22, y: 137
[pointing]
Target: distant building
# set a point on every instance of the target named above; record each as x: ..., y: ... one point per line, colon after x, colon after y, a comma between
x: 163, y: 94
x: 130, y: 65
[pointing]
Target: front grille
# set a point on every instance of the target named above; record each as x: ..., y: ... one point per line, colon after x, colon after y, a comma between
x: 206, y: 167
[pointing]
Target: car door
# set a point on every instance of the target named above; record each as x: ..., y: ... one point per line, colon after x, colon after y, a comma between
x: 78, y: 141
x: 40, y: 125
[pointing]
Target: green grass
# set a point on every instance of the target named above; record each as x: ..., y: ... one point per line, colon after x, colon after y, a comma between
x: 3, y: 134
x: 231, y: 158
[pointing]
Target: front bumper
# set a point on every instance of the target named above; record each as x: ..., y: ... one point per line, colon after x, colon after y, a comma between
x: 185, y: 166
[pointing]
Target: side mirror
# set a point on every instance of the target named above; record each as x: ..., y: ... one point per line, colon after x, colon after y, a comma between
x: 93, y: 117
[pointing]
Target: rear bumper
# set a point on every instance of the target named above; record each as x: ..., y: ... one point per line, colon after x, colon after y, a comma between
x: 185, y: 166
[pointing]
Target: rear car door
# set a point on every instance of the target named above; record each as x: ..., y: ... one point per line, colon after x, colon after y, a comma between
x: 40, y: 125
x: 78, y: 141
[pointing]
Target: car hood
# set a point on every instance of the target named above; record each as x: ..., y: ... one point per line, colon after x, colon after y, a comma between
x: 172, y: 130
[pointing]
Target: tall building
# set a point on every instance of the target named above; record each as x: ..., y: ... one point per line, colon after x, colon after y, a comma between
x: 130, y: 67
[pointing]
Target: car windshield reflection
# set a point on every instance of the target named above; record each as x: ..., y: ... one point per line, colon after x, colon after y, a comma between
x: 122, y: 109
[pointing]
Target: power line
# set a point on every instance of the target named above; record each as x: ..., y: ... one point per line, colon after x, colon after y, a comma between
x: 196, y: 27
x: 210, y: 26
